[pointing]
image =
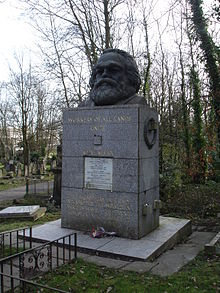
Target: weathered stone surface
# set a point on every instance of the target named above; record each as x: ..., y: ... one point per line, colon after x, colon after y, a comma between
x: 107, y: 262
x: 106, y: 114
x: 213, y: 247
x: 148, y: 173
x: 150, y: 221
x: 114, y: 211
x: 109, y: 148
x: 144, y: 151
x: 116, y: 133
x: 33, y: 212
x: 128, y: 174
x: 78, y: 137
x: 147, y: 248
x: 19, y: 211
x: 172, y: 260
x: 138, y: 266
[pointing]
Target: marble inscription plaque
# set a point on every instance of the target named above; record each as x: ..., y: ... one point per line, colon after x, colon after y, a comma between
x: 98, y: 173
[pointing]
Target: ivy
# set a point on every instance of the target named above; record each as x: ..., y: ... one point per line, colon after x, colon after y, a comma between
x: 211, y: 54
x: 198, y: 139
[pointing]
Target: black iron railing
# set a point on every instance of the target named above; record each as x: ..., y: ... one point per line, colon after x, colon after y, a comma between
x: 38, y: 186
x: 11, y: 241
x: 36, y: 261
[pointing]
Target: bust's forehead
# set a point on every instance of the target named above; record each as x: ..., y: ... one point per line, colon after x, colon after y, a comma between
x: 111, y: 57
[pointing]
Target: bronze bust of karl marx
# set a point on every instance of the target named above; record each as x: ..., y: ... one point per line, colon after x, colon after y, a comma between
x: 115, y: 80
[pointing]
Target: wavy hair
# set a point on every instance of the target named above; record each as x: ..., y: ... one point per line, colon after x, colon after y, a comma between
x: 131, y: 67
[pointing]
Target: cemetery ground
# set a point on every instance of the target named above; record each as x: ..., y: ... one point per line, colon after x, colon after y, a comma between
x: 11, y: 183
x: 7, y: 184
x: 200, y: 203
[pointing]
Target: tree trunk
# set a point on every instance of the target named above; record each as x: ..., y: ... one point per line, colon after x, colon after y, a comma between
x: 210, y: 53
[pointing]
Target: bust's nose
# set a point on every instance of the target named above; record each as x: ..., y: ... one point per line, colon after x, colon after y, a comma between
x: 105, y: 73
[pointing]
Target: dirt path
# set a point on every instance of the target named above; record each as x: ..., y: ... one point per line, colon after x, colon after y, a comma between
x: 19, y: 192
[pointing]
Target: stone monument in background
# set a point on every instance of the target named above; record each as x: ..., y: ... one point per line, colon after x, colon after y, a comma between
x: 57, y: 171
x: 110, y: 165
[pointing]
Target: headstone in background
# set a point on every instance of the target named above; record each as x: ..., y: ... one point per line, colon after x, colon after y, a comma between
x: 19, y: 171
x: 32, y: 212
x: 57, y: 177
x: 53, y: 164
x: 7, y: 167
x: 11, y: 166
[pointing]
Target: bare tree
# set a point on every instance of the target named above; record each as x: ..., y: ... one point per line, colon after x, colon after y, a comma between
x: 6, y: 145
x: 75, y: 33
x: 20, y: 87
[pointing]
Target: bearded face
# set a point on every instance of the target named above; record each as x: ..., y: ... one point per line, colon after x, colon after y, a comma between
x: 107, y: 91
x: 110, y: 81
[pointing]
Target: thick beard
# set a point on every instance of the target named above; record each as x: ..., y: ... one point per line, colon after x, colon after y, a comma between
x: 106, y: 95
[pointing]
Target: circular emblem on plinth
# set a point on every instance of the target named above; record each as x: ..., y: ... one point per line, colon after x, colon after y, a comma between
x: 150, y: 132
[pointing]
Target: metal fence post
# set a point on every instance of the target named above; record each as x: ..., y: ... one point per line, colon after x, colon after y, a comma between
x: 51, y: 257
x: 27, y: 186
x: 11, y: 273
x: 10, y: 242
x: 3, y: 245
x: 17, y: 240
x: 30, y: 237
x: 75, y: 245
x: 64, y: 250
x: 2, y: 279
x: 23, y: 239
x: 69, y: 248
x: 57, y: 253
x: 48, y: 188
x: 35, y: 188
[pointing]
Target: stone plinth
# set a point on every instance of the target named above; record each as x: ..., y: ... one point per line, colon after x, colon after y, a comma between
x: 110, y: 171
x: 170, y: 232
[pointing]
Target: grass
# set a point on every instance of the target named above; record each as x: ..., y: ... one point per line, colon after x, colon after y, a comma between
x: 198, y: 202
x: 8, y: 252
x: 6, y: 184
x: 6, y: 225
x: 201, y: 275
x: 52, y: 213
x: 11, y: 224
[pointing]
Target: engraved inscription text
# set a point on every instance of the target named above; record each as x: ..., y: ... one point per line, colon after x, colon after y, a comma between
x: 98, y: 173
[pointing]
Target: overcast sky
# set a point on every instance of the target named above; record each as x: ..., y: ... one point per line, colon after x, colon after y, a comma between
x: 16, y: 35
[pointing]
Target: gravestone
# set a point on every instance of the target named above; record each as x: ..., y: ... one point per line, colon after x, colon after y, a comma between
x: 53, y: 164
x: 110, y: 175
x: 110, y: 169
x: 57, y: 171
x: 11, y: 166
x: 19, y: 171
x: 32, y: 212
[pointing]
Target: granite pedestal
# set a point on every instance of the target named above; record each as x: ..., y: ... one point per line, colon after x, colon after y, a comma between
x: 110, y: 170
x: 149, y: 247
